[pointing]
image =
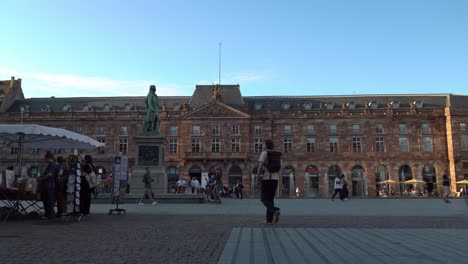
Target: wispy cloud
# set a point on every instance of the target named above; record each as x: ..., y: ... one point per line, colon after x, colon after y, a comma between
x: 69, y: 85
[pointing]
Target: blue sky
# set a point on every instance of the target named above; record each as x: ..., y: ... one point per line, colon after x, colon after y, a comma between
x: 315, y: 47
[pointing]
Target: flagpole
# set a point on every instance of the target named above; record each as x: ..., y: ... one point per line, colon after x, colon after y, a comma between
x: 219, y: 67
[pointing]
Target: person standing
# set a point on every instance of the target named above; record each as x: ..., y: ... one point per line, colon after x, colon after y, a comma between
x: 61, y: 186
x: 47, y: 181
x: 269, y: 184
x: 148, y: 190
x: 338, y: 188
x: 85, y: 192
x: 218, y: 177
x: 238, y: 189
x: 446, y: 185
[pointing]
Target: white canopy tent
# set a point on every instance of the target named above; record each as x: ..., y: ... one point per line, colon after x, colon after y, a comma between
x: 36, y: 136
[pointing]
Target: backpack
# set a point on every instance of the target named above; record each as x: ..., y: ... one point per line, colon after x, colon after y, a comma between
x: 274, y: 161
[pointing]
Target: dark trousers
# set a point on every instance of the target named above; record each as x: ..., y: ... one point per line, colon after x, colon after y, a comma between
x: 268, y: 196
x: 345, y: 192
x: 61, y: 203
x: 85, y: 197
x: 338, y: 191
x: 48, y: 199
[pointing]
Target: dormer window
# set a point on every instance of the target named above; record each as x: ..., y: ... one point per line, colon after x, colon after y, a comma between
x: 418, y: 104
x: 66, y: 108
x: 285, y: 106
x: 307, y: 106
x: 45, y: 108
x: 87, y: 107
x: 329, y: 106
x: 394, y: 104
x: 176, y: 107
x: 128, y: 107
x: 24, y: 108
x: 258, y: 106
x: 107, y: 107
x: 373, y: 105
x: 351, y: 105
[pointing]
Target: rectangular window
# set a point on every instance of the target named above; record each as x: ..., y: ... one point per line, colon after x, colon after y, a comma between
x: 215, y: 147
x: 173, y: 131
x: 310, y: 129
x: 427, y: 144
x: 379, y: 144
x: 235, y: 145
x: 172, y: 145
x: 287, y: 129
x: 195, y: 130
x: 425, y: 128
x: 57, y: 151
x: 464, y: 142
x: 356, y: 129
x: 195, y: 145
x: 310, y: 145
x: 356, y: 144
x: 235, y: 130
x: 123, y: 145
x: 332, y: 128
x: 215, y: 129
x: 333, y: 144
x: 379, y: 129
x: 100, y: 131
x: 258, y: 145
x: 463, y: 126
x: 36, y: 151
x: 287, y: 144
x: 404, y: 147
x: 123, y: 131
x: 465, y: 165
x: 258, y: 130
x: 402, y: 128
x: 13, y: 150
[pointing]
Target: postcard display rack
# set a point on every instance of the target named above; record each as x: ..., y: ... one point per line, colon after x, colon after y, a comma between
x: 73, y: 191
x: 119, y: 183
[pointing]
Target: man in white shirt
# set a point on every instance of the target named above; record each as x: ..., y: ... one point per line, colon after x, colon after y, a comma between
x: 338, y: 188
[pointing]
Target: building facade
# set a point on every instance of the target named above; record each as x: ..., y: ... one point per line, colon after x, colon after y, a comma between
x: 369, y: 138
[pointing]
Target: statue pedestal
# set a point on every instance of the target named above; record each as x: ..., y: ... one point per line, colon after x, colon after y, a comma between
x: 149, y: 153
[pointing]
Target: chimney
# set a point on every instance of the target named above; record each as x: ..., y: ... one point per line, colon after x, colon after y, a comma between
x: 12, y: 82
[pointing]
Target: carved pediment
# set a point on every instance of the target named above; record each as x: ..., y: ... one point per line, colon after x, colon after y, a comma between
x: 217, y: 109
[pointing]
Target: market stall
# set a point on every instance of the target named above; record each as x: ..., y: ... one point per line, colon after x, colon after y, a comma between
x: 18, y: 193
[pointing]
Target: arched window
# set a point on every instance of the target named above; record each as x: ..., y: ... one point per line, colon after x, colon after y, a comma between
x: 172, y: 177
x: 288, y: 182
x: 235, y: 173
x: 429, y: 176
x: 405, y: 174
x: 359, y: 185
x: 312, y: 181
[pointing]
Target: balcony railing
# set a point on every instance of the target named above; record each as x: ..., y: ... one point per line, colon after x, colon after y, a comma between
x: 215, y: 155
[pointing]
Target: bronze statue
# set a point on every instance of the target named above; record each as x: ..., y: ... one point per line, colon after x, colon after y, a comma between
x: 152, y: 111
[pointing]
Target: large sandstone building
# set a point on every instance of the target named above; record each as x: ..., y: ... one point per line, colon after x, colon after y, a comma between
x: 369, y: 138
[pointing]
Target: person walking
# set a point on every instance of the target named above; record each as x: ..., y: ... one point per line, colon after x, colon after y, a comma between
x: 338, y: 188
x: 446, y: 185
x: 269, y: 182
x: 148, y: 190
x: 344, y: 187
